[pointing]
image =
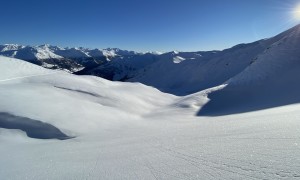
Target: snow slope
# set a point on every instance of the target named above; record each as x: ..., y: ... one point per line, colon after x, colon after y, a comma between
x: 17, y: 69
x: 131, y: 131
x: 56, y: 92
x: 271, y: 80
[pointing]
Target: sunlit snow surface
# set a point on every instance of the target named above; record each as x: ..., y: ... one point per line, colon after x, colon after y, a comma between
x: 131, y: 131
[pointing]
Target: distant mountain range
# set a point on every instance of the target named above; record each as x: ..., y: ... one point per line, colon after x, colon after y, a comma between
x: 179, y: 73
x: 54, y: 57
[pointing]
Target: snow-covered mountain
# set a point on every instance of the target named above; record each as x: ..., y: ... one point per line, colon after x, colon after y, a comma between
x: 29, y: 53
x: 271, y: 80
x: 71, y: 59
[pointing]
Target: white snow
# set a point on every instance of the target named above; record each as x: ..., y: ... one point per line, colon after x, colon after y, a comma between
x: 131, y: 131
x: 178, y: 59
x: 13, y: 69
x: 10, y: 47
x: 43, y: 52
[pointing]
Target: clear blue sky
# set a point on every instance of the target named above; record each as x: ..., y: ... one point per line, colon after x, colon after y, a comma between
x: 144, y: 25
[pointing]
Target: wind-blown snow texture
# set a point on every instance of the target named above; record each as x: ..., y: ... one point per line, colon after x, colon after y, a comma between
x: 131, y: 131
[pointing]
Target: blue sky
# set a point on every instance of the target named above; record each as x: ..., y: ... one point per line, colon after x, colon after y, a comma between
x: 144, y: 25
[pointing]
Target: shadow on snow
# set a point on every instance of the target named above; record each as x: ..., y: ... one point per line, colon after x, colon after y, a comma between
x: 33, y: 128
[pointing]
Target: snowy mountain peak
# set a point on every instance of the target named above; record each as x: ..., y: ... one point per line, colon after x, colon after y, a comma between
x: 175, y: 52
x: 10, y: 47
x: 178, y: 59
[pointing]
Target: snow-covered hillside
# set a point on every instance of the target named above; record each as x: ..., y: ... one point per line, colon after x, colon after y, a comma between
x: 271, y: 80
x: 117, y: 130
x: 55, y: 91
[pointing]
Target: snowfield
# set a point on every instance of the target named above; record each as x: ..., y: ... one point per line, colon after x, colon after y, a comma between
x: 131, y: 131
x: 243, y: 124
